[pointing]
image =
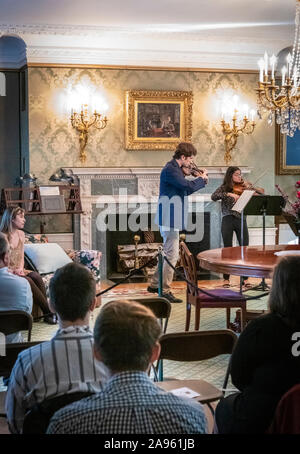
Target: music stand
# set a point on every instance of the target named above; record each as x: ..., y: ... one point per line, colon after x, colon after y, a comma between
x: 262, y: 205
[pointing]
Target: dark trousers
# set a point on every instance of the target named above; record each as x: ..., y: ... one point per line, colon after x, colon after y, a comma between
x: 232, y: 224
x: 38, y: 291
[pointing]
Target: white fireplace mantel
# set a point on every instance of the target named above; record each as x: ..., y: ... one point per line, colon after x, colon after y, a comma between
x: 147, y: 189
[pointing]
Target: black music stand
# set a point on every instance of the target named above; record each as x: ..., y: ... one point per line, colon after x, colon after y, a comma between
x: 262, y: 205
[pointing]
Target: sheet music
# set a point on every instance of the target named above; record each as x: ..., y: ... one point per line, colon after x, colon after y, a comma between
x: 243, y: 200
x: 49, y: 190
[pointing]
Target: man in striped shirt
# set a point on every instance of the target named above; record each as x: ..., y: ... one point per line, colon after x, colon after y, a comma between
x: 126, y: 340
x: 66, y: 363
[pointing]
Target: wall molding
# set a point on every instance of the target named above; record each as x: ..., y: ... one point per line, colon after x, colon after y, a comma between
x: 141, y: 46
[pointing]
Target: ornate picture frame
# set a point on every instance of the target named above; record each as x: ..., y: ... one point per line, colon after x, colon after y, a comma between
x: 287, y: 153
x: 157, y: 120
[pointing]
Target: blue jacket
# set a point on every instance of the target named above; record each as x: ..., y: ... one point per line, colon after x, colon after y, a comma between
x: 173, y: 196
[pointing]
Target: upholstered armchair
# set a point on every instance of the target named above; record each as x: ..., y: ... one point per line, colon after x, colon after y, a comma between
x: 46, y: 258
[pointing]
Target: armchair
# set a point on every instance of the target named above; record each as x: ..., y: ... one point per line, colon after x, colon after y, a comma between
x: 42, y: 260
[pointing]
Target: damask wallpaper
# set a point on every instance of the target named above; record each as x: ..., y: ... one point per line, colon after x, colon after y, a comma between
x: 53, y: 143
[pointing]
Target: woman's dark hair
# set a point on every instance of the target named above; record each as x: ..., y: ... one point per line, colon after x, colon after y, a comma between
x: 284, y: 299
x: 186, y: 149
x: 228, y: 183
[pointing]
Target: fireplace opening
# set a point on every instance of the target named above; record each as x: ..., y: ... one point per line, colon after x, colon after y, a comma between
x: 115, y: 238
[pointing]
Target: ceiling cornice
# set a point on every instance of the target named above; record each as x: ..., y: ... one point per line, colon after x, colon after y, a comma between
x: 89, y: 45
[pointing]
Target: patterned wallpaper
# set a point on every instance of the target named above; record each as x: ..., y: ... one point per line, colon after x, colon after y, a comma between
x: 53, y: 142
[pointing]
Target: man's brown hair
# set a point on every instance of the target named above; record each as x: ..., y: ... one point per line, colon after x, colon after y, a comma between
x: 186, y: 149
x: 125, y: 333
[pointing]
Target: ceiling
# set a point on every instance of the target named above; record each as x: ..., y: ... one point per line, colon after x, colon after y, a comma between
x: 220, y: 34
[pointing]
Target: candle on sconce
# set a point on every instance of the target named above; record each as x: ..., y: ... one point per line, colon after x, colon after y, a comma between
x: 252, y: 114
x: 273, y: 61
x: 266, y: 63
x: 261, y: 65
x: 245, y: 110
x: 283, y: 72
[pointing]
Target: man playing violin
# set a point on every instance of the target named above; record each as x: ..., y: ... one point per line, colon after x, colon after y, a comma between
x: 173, y: 209
x: 229, y: 192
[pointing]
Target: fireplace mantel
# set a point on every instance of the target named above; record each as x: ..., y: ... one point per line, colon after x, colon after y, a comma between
x: 114, y: 186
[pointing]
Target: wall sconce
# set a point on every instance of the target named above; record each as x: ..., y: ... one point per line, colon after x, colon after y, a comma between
x: 234, y: 127
x: 82, y: 122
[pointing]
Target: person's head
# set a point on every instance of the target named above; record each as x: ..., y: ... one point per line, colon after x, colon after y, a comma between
x: 126, y: 336
x: 4, y: 250
x: 284, y: 298
x: 72, y: 292
x: 185, y: 153
x: 232, y: 176
x: 13, y: 218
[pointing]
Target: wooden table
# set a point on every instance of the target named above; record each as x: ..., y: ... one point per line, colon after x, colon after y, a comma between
x: 207, y: 392
x: 252, y: 261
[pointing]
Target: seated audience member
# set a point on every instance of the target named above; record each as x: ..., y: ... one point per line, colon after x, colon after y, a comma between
x: 15, y: 292
x: 126, y: 339
x: 265, y: 363
x: 12, y: 223
x: 65, y: 364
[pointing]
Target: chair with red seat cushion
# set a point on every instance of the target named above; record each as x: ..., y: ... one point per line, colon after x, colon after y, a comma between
x: 218, y: 298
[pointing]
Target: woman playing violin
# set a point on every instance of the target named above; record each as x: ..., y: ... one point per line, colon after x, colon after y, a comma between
x: 229, y: 192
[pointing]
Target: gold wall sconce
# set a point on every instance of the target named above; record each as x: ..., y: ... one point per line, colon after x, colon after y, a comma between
x: 82, y: 122
x: 234, y: 126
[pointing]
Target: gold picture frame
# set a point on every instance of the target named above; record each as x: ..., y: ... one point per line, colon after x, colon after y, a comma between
x: 157, y: 120
x: 287, y: 153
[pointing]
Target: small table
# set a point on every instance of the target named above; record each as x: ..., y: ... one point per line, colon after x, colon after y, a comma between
x: 208, y: 393
x: 251, y: 261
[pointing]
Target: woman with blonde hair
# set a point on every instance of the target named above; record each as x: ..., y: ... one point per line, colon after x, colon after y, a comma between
x: 12, y: 224
x: 265, y: 363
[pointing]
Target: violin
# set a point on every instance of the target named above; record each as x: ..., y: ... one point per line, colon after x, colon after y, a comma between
x: 192, y: 169
x: 239, y: 188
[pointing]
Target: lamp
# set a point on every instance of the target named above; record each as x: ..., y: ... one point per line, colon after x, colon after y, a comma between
x: 82, y: 122
x: 234, y: 127
x: 282, y: 102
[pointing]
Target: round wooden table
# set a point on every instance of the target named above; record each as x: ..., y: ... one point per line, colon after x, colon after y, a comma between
x: 252, y: 261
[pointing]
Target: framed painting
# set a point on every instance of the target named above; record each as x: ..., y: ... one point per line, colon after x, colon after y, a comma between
x: 287, y: 153
x: 157, y: 120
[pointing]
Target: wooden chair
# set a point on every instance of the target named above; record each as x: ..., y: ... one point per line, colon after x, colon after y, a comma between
x: 220, y: 298
x: 160, y: 306
x: 196, y: 346
x: 14, y: 321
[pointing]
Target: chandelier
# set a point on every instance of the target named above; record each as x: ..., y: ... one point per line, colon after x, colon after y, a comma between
x: 282, y: 102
